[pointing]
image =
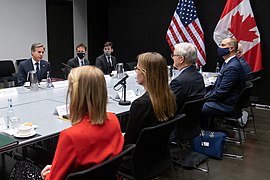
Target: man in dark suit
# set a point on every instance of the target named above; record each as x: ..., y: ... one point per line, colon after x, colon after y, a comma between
x: 229, y: 84
x: 77, y: 61
x: 35, y: 63
x: 189, y: 84
x: 80, y: 59
x: 245, y: 65
x: 106, y: 62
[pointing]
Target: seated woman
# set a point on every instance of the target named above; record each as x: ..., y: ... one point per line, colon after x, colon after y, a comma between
x: 158, y: 103
x: 95, y: 135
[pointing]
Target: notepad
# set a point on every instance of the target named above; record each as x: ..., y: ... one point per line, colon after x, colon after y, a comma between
x: 6, y: 141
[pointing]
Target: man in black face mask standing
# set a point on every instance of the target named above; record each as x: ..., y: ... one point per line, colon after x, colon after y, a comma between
x: 106, y: 62
x: 229, y: 84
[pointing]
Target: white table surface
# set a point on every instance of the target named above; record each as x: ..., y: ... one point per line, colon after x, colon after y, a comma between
x: 37, y: 107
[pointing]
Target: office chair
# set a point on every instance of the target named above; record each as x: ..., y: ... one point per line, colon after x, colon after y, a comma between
x: 7, y: 73
x: 185, y: 130
x: 106, y: 170
x: 230, y: 121
x: 18, y: 61
x: 253, y: 100
x: 151, y: 157
x: 130, y: 66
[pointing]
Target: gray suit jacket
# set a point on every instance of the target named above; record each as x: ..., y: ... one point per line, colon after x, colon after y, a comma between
x: 75, y: 63
x: 101, y: 63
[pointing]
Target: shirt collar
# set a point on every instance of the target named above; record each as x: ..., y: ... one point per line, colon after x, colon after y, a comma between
x: 181, y: 70
x: 229, y: 58
x: 34, y: 62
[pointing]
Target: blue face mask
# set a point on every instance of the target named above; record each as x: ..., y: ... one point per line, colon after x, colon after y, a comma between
x: 223, y: 51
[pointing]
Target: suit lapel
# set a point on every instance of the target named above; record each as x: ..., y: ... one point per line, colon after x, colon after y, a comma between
x: 76, y: 62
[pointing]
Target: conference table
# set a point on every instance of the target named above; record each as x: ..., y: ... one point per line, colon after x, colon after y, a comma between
x: 39, y: 107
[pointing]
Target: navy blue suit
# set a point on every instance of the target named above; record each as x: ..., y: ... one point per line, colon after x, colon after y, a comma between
x: 246, y: 68
x: 27, y: 66
x: 227, y: 88
x: 188, y: 86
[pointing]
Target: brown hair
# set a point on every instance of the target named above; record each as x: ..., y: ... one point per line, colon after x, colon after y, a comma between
x: 87, y: 91
x: 154, y: 68
x: 107, y: 44
x: 81, y: 45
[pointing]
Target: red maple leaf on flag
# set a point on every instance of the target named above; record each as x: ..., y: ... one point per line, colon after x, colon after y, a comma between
x: 242, y: 29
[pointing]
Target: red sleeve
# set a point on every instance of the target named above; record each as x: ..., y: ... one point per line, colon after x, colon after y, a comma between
x: 64, y: 158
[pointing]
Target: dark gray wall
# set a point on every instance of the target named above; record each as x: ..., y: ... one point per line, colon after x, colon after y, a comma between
x: 137, y: 26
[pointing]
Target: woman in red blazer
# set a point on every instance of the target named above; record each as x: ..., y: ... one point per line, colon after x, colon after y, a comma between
x: 95, y: 135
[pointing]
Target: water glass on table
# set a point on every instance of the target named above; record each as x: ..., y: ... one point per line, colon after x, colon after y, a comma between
x: 14, y: 122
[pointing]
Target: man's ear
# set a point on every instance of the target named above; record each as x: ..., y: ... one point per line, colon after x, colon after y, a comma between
x: 182, y: 59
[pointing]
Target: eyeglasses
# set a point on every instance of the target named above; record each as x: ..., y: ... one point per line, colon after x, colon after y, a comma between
x: 136, y: 68
x: 172, y: 55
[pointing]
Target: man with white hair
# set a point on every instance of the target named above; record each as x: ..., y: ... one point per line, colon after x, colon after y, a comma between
x: 189, y: 84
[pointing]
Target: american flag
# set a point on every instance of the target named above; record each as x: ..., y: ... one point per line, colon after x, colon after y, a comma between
x: 185, y: 27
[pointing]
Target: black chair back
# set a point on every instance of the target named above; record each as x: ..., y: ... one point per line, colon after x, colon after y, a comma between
x: 7, y: 73
x: 189, y: 127
x: 253, y: 97
x: 18, y: 61
x: 151, y: 157
x: 130, y: 66
x: 6, y: 68
x: 106, y: 170
x: 243, y: 100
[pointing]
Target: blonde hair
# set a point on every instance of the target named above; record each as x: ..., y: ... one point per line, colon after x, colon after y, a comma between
x: 154, y: 68
x: 87, y: 91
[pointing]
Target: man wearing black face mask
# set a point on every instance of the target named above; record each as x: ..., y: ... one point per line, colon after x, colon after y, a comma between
x: 106, y: 62
x: 79, y: 60
x: 229, y: 84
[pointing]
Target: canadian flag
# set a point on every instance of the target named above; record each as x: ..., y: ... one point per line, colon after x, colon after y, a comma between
x: 237, y: 20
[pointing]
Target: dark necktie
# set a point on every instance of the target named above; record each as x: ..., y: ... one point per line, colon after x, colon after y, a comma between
x: 37, y: 70
x: 82, y: 63
x: 223, y: 65
x: 109, y: 61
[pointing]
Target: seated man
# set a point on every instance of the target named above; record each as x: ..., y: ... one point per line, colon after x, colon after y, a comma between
x: 189, y: 84
x: 35, y: 63
x: 245, y: 65
x: 229, y: 84
x: 77, y: 61
x: 106, y: 62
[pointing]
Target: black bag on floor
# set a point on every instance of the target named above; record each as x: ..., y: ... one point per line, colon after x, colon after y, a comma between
x: 24, y: 170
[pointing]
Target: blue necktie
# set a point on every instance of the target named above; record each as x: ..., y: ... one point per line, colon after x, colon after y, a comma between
x: 82, y: 63
x: 223, y: 65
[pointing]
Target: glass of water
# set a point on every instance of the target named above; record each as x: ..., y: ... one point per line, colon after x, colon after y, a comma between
x: 14, y: 122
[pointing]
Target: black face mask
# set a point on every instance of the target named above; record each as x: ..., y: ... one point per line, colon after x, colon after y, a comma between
x: 81, y: 55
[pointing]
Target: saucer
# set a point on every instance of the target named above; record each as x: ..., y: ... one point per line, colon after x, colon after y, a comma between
x: 32, y: 133
x: 26, y: 84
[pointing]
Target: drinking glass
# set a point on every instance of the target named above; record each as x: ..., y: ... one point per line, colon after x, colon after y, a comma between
x: 14, y: 122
